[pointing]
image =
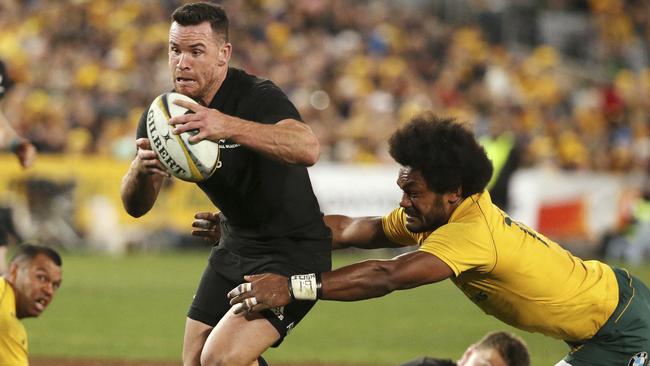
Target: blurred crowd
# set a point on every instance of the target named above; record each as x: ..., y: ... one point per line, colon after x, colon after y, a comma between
x: 570, y: 79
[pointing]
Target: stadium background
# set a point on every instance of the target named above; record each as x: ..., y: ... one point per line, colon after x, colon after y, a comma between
x: 569, y: 81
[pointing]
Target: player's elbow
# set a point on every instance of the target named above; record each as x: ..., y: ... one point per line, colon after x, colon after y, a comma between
x: 132, y: 209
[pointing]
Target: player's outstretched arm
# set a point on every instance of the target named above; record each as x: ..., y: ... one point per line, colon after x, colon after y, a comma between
x: 358, y: 232
x: 359, y: 281
x: 289, y: 140
x: 24, y: 150
x: 142, y: 182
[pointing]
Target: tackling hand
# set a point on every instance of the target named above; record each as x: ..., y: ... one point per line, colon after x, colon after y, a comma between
x: 206, y: 225
x: 261, y: 292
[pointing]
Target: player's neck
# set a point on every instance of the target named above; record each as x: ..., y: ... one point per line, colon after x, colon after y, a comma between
x: 208, y: 97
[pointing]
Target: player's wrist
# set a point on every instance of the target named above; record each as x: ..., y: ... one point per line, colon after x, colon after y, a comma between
x: 305, y: 286
x: 15, y: 143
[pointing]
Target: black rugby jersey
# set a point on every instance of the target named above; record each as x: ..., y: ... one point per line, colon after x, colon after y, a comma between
x: 5, y: 82
x: 268, y: 208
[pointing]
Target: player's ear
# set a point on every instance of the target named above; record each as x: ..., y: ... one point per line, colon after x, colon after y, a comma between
x: 13, y: 272
x: 224, y: 54
x: 455, y: 196
x: 466, y: 355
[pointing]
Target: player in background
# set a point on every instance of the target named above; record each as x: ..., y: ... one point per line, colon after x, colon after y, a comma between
x: 270, y: 218
x: 26, y: 290
x: 507, y: 269
x: 24, y: 151
x: 494, y: 349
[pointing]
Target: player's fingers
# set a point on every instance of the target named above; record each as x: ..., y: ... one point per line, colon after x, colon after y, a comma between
x: 143, y: 143
x: 250, y: 303
x: 203, y: 224
x: 184, y: 119
x: 201, y: 135
x: 239, y: 308
x: 252, y: 278
x: 247, y: 305
x: 180, y: 128
x: 155, y: 167
x: 203, y: 215
x: 163, y: 173
x: 239, y: 290
x: 189, y: 105
x: 147, y: 154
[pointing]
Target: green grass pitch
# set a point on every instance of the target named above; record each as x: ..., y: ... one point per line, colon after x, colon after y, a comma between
x: 134, y: 307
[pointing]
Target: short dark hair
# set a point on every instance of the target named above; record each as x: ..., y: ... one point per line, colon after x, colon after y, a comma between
x: 429, y: 361
x: 27, y: 252
x: 512, y: 349
x: 444, y: 152
x: 197, y: 13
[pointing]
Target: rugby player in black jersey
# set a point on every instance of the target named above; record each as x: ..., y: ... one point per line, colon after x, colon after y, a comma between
x: 270, y: 218
x: 26, y: 153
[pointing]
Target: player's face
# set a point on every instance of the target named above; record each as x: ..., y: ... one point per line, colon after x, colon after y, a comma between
x: 35, y: 282
x: 198, y: 60
x: 425, y: 210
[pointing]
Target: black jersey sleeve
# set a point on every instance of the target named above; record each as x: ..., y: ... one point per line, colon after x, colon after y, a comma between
x: 5, y: 81
x: 142, y: 125
x: 270, y: 104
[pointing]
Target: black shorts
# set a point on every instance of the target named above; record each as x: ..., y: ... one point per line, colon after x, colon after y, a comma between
x: 226, y: 270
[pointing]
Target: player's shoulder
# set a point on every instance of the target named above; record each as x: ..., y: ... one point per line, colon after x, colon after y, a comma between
x: 249, y: 83
x: 4, y: 289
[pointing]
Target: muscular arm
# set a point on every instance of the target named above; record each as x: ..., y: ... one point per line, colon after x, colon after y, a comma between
x: 359, y: 281
x: 289, y: 140
x: 358, y: 232
x: 21, y: 147
x: 376, y: 278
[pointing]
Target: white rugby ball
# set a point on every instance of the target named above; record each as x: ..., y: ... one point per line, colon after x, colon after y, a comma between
x: 192, y: 162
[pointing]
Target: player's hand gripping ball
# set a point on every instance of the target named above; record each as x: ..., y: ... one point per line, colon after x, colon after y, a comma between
x: 192, y: 162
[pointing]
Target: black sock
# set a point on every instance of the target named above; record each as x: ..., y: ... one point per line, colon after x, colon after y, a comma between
x: 261, y: 361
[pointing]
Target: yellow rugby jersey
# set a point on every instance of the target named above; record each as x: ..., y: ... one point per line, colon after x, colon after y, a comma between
x: 13, y: 337
x: 514, y: 273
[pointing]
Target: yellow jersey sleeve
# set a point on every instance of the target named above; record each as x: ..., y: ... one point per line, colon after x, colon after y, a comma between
x: 13, y: 337
x: 395, y: 229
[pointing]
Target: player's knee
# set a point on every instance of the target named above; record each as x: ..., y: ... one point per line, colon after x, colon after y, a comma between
x: 223, y: 359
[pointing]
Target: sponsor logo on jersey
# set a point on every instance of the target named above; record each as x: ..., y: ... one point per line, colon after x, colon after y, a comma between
x: 640, y: 359
x: 223, y: 145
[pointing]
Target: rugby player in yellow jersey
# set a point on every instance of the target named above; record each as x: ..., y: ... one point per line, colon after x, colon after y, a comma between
x: 25, y: 291
x: 504, y: 267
